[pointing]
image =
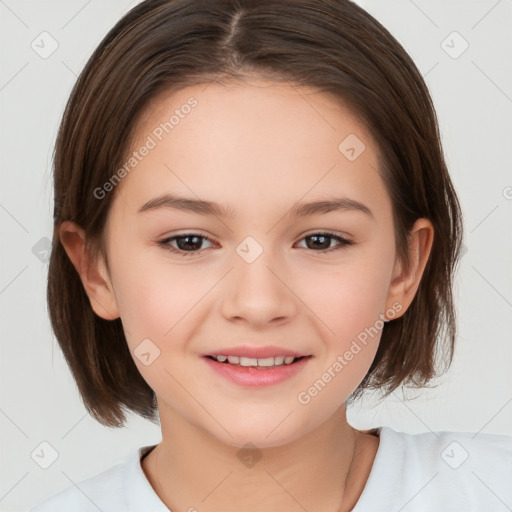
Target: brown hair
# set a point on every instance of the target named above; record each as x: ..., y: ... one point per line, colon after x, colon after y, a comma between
x: 331, y: 45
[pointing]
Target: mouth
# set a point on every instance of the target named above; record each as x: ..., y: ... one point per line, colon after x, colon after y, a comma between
x: 255, y: 372
x: 259, y: 363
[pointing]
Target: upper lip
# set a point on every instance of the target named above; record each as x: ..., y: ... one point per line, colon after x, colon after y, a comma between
x: 255, y: 352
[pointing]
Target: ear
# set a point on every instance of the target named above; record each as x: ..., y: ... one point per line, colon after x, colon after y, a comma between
x: 405, y: 282
x: 93, y: 273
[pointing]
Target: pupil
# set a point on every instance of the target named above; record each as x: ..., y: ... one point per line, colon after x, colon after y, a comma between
x: 317, y: 245
x: 189, y: 246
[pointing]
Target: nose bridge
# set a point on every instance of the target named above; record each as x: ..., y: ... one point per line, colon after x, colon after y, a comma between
x: 257, y: 289
x: 257, y: 264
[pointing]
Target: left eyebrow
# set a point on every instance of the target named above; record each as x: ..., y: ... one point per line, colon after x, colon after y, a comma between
x: 203, y: 207
x: 330, y: 205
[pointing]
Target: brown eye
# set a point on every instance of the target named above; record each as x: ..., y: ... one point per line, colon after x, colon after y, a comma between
x: 321, y: 242
x: 187, y: 244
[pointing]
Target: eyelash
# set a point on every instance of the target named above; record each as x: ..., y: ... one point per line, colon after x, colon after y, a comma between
x: 165, y: 243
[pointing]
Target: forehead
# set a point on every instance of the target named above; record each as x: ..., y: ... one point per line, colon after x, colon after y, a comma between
x: 251, y: 143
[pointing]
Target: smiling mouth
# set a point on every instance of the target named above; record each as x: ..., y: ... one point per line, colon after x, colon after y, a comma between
x: 263, y: 363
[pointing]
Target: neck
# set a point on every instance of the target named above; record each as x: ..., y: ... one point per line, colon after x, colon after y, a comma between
x: 325, y: 470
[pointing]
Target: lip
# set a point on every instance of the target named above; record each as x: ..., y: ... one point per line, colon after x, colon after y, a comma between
x: 255, y: 352
x: 250, y: 376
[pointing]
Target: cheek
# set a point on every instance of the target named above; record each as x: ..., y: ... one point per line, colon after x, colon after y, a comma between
x: 153, y: 297
x: 349, y: 312
x: 155, y: 305
x: 350, y: 308
x: 350, y: 299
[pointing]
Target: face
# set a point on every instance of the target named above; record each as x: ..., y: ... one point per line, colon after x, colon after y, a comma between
x: 262, y: 279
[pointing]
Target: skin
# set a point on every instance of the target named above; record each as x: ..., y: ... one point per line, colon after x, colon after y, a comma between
x: 259, y: 147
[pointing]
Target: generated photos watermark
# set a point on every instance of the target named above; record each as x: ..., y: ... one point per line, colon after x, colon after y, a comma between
x: 342, y: 360
x: 152, y: 140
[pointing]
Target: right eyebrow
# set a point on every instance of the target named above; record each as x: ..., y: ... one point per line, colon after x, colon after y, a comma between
x: 186, y: 204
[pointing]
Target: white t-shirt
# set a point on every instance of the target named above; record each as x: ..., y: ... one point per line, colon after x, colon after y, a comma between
x: 438, y: 472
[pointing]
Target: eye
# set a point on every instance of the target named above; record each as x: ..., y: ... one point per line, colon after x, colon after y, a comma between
x: 322, y: 241
x: 190, y: 244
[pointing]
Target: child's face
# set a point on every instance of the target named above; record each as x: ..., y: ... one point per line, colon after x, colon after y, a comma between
x: 257, y: 149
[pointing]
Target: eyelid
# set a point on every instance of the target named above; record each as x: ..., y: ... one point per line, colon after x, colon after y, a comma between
x: 345, y: 236
x: 165, y: 242
x: 343, y: 241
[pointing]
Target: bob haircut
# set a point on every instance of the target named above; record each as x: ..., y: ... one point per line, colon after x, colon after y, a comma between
x: 333, y: 46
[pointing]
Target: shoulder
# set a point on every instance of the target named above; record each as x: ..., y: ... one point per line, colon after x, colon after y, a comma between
x: 453, y: 448
x: 441, y: 471
x: 112, y: 490
x: 100, y: 492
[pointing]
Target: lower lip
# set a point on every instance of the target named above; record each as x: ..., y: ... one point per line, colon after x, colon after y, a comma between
x: 257, y: 377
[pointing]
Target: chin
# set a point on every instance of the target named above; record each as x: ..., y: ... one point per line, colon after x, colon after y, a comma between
x: 259, y: 439
x: 264, y: 432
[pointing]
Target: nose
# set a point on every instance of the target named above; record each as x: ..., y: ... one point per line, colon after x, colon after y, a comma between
x: 259, y: 292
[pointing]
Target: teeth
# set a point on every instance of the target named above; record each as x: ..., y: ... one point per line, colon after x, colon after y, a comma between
x: 249, y: 361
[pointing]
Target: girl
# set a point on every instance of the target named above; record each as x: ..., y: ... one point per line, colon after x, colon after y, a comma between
x: 254, y: 223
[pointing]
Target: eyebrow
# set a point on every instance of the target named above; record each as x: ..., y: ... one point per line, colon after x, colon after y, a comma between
x: 203, y: 207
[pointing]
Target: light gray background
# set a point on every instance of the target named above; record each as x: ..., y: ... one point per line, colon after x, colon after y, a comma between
x: 473, y: 97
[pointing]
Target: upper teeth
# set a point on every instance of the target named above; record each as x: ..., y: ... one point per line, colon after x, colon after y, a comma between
x: 249, y: 361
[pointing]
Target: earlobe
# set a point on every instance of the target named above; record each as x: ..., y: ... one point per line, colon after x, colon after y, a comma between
x: 92, y: 272
x: 405, y: 281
